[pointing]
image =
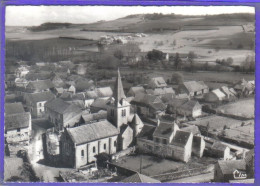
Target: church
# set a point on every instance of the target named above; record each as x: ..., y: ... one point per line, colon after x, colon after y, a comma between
x: 79, y: 145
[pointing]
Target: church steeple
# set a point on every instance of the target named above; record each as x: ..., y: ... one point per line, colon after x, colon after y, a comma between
x: 118, y: 93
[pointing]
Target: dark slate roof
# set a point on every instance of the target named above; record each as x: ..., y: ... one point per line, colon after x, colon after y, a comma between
x: 100, y: 103
x: 218, y: 146
x: 41, y: 84
x: 164, y: 130
x: 137, y: 89
x: 157, y: 82
x: 15, y: 121
x: 61, y: 106
x: 193, y: 129
x: 177, y: 102
x: 95, y: 116
x: 146, y: 99
x: 189, y: 105
x: 228, y: 167
x: 139, y: 178
x: 83, y: 85
x: 92, y: 132
x: 193, y: 86
x: 14, y: 108
x: 158, y: 106
x: 38, y: 97
x: 147, y: 132
x: 91, y: 94
x: 180, y: 138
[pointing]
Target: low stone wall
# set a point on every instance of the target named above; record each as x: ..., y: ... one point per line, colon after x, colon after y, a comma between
x: 120, y: 170
x: 123, y: 153
x: 182, y: 174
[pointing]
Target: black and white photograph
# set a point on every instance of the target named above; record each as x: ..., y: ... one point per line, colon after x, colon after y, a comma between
x: 129, y: 94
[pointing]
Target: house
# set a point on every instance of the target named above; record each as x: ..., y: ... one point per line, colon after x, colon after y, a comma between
x: 18, y: 127
x: 72, y: 89
x: 190, y: 108
x: 10, y: 80
x: 57, y: 81
x: 133, y: 91
x: 21, y: 72
x: 39, y: 86
x: 62, y: 114
x: 230, y: 170
x: 219, y: 150
x: 148, y: 105
x: 13, y: 108
x: 80, y: 145
x: 227, y: 92
x: 157, y: 82
x: 35, y: 102
x: 214, y: 96
x: 139, y: 178
x: 99, y: 104
x: 80, y: 69
x: 174, y: 104
x: 90, y: 97
x: 167, y: 140
x: 84, y: 85
x: 94, y: 117
x: 104, y: 92
x: 21, y: 82
x: 160, y: 91
x: 193, y: 88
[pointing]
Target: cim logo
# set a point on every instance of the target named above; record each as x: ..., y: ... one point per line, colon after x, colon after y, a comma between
x: 239, y: 174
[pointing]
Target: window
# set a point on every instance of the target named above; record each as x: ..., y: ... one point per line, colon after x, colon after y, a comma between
x: 112, y: 112
x: 82, y: 153
x: 40, y: 104
x: 123, y: 112
x: 157, y: 140
x: 164, y: 141
x: 94, y: 149
x: 114, y: 143
x: 105, y: 146
x: 18, y: 130
x: 40, y: 110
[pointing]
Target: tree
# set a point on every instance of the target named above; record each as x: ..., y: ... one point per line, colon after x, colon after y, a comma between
x: 177, y: 78
x: 191, y: 56
x: 108, y: 62
x: 177, y: 61
x: 119, y: 54
x: 155, y: 55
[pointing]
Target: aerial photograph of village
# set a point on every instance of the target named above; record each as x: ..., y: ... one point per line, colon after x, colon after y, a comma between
x: 129, y: 94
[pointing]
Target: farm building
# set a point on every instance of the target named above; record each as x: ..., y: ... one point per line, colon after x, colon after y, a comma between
x: 219, y: 150
x: 229, y: 170
x: 214, y: 96
x: 39, y: 86
x: 135, y: 90
x: 193, y: 88
x: 190, y: 108
x: 157, y: 82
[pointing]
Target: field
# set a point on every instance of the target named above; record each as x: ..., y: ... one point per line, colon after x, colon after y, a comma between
x: 209, y: 44
x: 216, y: 123
x: 243, y: 108
x: 152, y: 165
x: 242, y: 133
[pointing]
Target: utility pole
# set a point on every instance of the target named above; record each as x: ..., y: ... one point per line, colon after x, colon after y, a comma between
x: 141, y: 159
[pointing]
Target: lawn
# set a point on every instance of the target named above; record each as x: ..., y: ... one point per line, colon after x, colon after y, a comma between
x: 243, y: 108
x: 152, y: 165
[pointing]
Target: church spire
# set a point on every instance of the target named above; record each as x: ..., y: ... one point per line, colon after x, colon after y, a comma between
x: 118, y: 89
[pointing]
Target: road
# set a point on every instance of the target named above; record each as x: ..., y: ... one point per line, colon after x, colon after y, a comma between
x: 202, y: 178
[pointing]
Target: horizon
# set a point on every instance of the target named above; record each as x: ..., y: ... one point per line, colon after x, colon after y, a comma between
x: 27, y: 16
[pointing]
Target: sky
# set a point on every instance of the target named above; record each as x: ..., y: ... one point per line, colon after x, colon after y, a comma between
x: 36, y: 15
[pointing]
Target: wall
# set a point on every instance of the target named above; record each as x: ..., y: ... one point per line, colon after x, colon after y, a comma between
x: 127, y: 138
x: 14, y: 136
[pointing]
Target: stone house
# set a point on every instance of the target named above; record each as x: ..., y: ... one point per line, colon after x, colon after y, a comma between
x: 167, y: 140
x: 229, y: 170
x: 148, y: 105
x: 80, y: 145
x: 157, y: 82
x: 18, y: 127
x: 219, y: 150
x: 193, y: 88
x: 13, y: 108
x: 133, y: 91
x: 62, y: 114
x: 190, y: 108
x: 35, y: 102
x: 198, y: 146
x: 21, y: 72
x: 39, y: 86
